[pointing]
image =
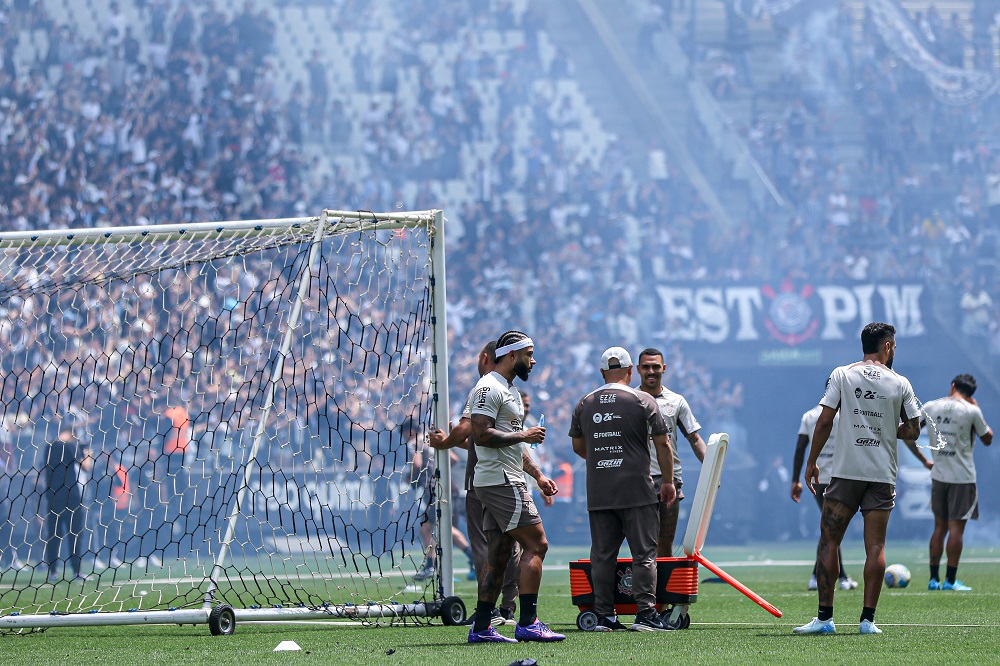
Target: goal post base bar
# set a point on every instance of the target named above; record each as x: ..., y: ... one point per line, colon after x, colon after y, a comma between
x: 709, y: 482
x: 39, y: 621
x: 201, y: 616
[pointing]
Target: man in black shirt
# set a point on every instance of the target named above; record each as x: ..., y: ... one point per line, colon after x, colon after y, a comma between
x: 66, y: 461
x: 611, y: 430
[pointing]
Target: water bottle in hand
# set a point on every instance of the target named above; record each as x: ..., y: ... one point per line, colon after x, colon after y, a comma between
x: 541, y: 424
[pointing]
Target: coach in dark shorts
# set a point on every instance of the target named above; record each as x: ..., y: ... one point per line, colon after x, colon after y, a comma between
x: 611, y: 428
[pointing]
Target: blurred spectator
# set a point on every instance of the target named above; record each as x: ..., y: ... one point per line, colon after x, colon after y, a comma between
x: 67, y: 463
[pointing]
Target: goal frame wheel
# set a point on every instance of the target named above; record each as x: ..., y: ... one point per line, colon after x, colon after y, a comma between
x: 453, y: 611
x: 222, y: 620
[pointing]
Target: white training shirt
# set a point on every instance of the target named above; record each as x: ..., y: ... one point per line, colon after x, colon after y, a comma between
x: 958, y: 421
x: 871, y: 398
x: 674, y: 409
x: 493, y: 396
x: 807, y: 427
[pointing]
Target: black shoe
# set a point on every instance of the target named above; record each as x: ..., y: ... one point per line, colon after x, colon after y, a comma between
x: 607, y: 624
x: 506, y: 616
x: 497, y: 619
x: 648, y: 621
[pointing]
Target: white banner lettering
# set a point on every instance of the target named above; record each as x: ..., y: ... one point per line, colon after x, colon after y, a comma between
x: 830, y: 312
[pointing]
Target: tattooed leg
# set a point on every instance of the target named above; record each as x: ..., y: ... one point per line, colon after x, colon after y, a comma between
x: 833, y: 525
x: 499, y: 546
x: 876, y: 523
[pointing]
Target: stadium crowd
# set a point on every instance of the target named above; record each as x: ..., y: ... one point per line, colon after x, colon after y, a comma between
x: 172, y: 120
x: 916, y: 195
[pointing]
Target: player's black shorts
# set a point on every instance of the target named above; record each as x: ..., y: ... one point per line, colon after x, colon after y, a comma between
x: 954, y: 501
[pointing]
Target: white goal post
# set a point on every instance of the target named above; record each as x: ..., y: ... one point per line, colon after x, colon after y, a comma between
x: 224, y: 421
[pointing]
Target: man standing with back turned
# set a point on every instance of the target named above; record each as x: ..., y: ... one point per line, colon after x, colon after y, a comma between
x: 611, y: 428
x: 954, y: 499
x: 872, y: 400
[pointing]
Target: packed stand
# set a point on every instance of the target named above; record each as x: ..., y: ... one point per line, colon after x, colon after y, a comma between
x: 171, y: 121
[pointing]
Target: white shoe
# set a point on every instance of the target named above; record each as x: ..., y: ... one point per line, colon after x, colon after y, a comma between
x: 848, y: 583
x: 812, y: 583
x: 817, y: 626
x: 154, y: 560
x: 868, y: 627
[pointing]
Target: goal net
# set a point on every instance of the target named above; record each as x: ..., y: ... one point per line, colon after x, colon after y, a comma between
x: 223, y: 421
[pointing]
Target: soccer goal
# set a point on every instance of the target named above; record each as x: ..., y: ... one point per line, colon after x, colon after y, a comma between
x: 217, y: 422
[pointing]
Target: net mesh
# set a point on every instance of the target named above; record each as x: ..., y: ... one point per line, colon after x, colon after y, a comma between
x: 136, y: 368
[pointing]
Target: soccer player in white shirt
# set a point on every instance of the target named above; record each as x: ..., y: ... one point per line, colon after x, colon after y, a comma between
x: 678, y: 416
x: 509, y: 513
x: 871, y: 400
x: 954, y: 499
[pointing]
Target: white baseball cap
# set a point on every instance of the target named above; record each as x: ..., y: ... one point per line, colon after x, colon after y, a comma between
x: 614, y: 358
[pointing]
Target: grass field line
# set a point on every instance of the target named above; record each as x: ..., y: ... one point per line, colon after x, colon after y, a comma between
x: 881, y: 624
x: 461, y: 571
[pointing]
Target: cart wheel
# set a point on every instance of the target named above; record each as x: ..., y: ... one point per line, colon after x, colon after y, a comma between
x: 586, y: 621
x: 685, y: 621
x: 222, y: 620
x: 452, y: 611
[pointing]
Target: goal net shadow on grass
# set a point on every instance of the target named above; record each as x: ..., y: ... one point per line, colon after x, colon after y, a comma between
x: 224, y: 413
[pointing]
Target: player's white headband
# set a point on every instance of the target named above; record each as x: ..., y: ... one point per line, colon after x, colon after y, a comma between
x: 514, y: 346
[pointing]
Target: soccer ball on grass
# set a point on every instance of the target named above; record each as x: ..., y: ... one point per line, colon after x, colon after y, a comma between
x: 897, y: 575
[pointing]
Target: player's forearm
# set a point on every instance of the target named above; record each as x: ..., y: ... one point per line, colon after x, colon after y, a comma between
x: 665, y: 457
x: 698, y: 446
x: 915, y: 450
x: 485, y: 434
x: 909, y: 430
x: 529, y: 466
x: 455, y: 438
x: 799, y: 457
x: 820, y: 435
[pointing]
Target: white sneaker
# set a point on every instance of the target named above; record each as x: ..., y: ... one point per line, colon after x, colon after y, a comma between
x: 817, y: 626
x: 868, y: 627
x: 812, y: 583
x: 848, y: 583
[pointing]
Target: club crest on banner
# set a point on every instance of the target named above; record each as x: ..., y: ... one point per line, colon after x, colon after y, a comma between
x: 790, y: 319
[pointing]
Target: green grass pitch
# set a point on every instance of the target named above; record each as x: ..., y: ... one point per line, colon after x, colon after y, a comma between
x: 920, y: 627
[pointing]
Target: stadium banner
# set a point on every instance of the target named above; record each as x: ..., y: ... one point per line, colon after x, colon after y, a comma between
x: 791, y: 323
x: 951, y: 85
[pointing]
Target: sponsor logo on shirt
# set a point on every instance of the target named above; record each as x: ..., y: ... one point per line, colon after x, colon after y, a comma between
x: 611, y: 463
x: 613, y: 433
x: 608, y: 449
x: 871, y: 373
x: 865, y: 412
x: 867, y: 395
x: 867, y: 441
x: 877, y: 430
x: 480, y: 398
x: 607, y: 398
x: 606, y: 416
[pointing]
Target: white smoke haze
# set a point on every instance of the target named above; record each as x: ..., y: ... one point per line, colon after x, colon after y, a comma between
x: 813, y: 54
